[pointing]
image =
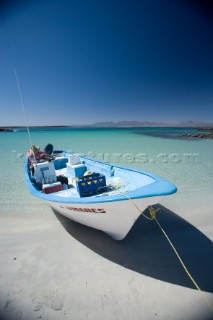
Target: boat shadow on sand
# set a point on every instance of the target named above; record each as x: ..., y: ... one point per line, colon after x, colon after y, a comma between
x: 146, y: 250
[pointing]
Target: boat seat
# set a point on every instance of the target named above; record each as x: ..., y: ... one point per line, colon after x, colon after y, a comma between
x: 45, y: 172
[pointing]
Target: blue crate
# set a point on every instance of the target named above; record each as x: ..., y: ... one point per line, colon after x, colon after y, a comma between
x: 90, y: 185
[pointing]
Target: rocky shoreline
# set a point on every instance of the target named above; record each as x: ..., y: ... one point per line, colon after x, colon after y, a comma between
x: 207, y: 133
x: 6, y: 130
x: 197, y: 135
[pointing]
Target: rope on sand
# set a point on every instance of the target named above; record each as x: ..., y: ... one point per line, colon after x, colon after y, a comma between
x: 152, y: 212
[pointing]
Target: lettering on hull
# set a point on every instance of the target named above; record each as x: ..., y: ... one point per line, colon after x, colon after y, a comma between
x: 94, y: 210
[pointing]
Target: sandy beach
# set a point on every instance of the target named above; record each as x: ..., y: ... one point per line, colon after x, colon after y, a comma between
x: 53, y: 268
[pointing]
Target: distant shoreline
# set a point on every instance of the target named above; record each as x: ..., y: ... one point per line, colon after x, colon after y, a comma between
x: 22, y: 127
x: 13, y: 128
x: 198, y: 132
x: 92, y: 126
x: 123, y: 124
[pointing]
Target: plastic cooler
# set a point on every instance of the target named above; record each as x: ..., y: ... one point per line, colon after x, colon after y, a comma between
x: 53, y: 187
x: 74, y: 159
x: 77, y: 170
x: 90, y: 185
x: 60, y: 162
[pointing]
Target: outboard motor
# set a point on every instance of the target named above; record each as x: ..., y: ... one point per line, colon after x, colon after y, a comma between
x: 49, y: 149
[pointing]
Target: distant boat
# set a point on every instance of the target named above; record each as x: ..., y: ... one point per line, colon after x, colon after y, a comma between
x: 100, y: 195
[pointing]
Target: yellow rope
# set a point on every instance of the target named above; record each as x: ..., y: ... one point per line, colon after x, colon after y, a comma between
x: 153, y: 212
x: 134, y: 204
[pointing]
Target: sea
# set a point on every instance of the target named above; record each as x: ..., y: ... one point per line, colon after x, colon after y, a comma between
x: 187, y: 163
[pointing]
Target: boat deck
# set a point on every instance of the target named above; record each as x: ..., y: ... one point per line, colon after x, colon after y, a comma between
x: 122, y: 183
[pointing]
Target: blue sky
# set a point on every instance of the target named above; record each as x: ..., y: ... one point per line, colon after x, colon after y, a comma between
x: 84, y: 61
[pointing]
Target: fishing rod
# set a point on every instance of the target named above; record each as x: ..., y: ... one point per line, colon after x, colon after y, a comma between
x: 22, y: 104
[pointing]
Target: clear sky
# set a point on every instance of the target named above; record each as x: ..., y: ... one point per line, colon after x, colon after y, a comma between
x: 83, y: 61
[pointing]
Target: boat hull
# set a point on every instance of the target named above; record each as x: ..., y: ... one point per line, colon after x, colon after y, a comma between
x: 114, y: 218
x: 115, y: 211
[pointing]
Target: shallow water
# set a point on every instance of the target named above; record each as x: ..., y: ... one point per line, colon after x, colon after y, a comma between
x: 186, y: 163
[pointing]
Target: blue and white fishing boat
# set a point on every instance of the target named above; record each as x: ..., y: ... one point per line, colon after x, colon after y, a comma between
x: 100, y: 195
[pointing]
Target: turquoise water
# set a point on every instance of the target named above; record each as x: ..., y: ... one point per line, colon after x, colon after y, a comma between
x: 186, y: 163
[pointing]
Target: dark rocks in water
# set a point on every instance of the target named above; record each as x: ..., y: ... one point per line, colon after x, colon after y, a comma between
x: 197, y: 135
x: 207, y: 133
x: 5, y: 130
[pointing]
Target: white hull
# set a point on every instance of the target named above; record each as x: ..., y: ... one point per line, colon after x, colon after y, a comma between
x: 114, y: 218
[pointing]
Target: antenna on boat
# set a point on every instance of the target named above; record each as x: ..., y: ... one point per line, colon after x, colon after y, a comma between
x: 22, y: 104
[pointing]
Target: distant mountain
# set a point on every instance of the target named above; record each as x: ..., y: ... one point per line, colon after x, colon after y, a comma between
x: 105, y: 124
x: 134, y: 123
x: 126, y: 124
x: 195, y: 124
x: 122, y: 124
